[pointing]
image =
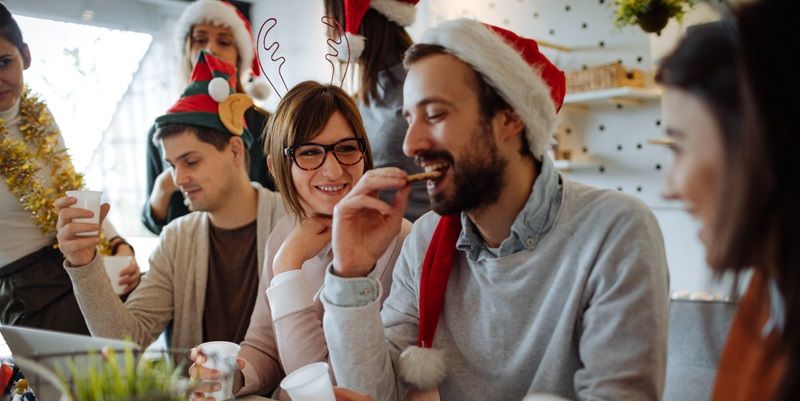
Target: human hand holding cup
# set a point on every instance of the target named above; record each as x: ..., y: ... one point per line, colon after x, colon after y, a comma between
x: 114, y: 267
x: 89, y: 200
x: 78, y: 225
x: 218, y: 364
x: 309, y: 383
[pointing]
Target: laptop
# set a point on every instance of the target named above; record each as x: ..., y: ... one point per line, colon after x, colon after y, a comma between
x: 51, y: 350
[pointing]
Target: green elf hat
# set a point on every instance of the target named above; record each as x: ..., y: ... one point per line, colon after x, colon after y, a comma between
x: 209, y: 100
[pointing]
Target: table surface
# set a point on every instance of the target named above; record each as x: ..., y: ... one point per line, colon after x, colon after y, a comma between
x: 254, y: 398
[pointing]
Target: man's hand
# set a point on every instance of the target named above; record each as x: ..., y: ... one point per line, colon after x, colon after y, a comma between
x: 306, y: 240
x: 363, y: 225
x: 208, y: 376
x: 78, y: 250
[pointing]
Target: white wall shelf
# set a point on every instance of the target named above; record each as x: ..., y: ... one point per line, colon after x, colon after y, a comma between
x: 624, y: 95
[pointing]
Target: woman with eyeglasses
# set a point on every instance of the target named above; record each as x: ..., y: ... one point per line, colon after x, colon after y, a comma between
x: 317, y: 150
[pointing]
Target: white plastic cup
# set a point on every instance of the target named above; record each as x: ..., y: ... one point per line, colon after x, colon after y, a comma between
x: 89, y: 200
x: 221, y: 355
x: 114, y: 266
x: 309, y: 383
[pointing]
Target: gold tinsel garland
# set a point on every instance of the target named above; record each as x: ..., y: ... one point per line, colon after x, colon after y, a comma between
x: 18, y: 166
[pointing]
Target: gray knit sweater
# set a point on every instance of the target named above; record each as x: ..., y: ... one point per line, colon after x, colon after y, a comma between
x: 576, y: 304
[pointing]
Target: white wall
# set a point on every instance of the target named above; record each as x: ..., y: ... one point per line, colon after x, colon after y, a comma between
x: 301, y: 36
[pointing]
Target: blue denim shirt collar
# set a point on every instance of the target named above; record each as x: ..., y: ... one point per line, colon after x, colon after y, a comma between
x: 530, y: 225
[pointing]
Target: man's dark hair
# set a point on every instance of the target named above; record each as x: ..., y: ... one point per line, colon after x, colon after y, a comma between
x: 489, y: 99
x: 218, y: 139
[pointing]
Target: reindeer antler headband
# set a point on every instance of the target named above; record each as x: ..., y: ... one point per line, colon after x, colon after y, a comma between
x: 271, y: 64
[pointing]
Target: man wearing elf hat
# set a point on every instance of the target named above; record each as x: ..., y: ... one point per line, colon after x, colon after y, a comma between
x: 205, y: 270
x: 522, y: 281
x: 218, y: 28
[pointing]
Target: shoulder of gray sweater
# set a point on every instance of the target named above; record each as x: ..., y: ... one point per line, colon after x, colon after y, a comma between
x: 611, y: 204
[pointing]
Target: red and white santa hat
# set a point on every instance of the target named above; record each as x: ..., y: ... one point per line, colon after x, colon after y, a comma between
x: 535, y: 89
x: 222, y: 13
x: 401, y: 12
x: 515, y: 67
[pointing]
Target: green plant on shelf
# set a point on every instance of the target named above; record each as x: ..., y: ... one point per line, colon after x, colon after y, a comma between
x: 126, y: 377
x: 651, y: 15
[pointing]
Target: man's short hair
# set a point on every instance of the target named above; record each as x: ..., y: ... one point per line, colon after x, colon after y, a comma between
x: 489, y: 99
x: 218, y: 139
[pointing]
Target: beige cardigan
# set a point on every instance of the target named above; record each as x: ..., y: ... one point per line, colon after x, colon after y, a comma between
x: 280, y: 341
x: 173, y: 289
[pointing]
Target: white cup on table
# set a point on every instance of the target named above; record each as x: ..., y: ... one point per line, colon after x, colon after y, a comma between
x: 114, y: 266
x: 221, y: 355
x: 309, y: 383
x: 89, y: 200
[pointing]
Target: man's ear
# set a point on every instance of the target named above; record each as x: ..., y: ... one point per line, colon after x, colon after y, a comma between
x: 237, y: 146
x: 26, y: 56
x: 509, y: 124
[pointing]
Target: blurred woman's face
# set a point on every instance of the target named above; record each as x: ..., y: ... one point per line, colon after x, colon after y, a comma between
x: 12, y: 63
x: 322, y: 188
x: 698, y: 159
x: 217, y: 40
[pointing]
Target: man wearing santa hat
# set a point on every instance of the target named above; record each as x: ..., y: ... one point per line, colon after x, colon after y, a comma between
x: 520, y: 281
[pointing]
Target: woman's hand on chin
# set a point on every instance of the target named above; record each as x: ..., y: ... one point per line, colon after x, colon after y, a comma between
x: 306, y: 240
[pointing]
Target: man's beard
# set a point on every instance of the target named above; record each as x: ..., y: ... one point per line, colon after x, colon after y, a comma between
x: 479, y: 176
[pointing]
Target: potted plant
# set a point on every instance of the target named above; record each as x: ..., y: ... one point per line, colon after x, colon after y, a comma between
x: 113, y: 376
x: 651, y: 15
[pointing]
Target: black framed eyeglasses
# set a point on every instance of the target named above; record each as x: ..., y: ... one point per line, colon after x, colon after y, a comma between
x: 311, y: 156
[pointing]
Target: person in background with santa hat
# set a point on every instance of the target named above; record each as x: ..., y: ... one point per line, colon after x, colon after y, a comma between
x: 377, y: 40
x: 520, y: 281
x: 220, y: 29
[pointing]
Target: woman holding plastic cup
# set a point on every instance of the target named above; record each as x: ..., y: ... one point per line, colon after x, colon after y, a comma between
x: 35, y: 290
x: 317, y: 150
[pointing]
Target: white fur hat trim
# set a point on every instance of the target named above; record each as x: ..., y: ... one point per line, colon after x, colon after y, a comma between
x: 399, y: 12
x: 422, y: 367
x: 504, y: 69
x: 356, y: 43
x: 221, y: 14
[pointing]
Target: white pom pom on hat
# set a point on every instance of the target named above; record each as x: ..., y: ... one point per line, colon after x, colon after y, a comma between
x: 218, y: 89
x: 423, y: 367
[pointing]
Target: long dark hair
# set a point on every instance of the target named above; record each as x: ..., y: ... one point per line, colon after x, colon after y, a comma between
x: 769, y: 209
x: 384, y: 47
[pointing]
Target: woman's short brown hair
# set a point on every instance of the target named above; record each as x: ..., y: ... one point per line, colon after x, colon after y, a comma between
x: 301, y: 116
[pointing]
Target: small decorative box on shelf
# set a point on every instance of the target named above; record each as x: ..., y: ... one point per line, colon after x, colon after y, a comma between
x: 623, y: 95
